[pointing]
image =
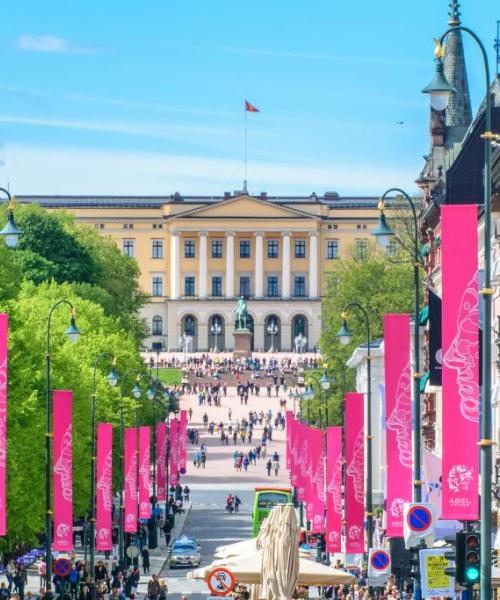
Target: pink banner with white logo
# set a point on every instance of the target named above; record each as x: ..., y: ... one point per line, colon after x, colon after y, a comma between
x: 161, y: 462
x: 174, y: 449
x: 398, y: 420
x: 317, y: 475
x: 302, y: 462
x: 104, y: 493
x: 460, y: 374
x: 4, y: 327
x: 63, y: 471
x: 144, y: 472
x: 288, y: 422
x: 294, y: 453
x: 130, y: 477
x: 182, y: 441
x: 334, y: 489
x: 355, y: 473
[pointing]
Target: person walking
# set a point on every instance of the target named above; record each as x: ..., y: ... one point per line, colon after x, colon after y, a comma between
x: 246, y: 462
x: 269, y: 466
x: 276, y: 467
x: 237, y: 503
x: 186, y: 493
x: 153, y: 588
x: 190, y: 413
x: 203, y: 460
x: 145, y: 560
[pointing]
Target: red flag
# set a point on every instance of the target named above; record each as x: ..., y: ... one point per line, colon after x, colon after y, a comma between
x: 250, y: 107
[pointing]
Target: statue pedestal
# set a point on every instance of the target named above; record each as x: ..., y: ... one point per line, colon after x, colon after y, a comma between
x: 242, y: 344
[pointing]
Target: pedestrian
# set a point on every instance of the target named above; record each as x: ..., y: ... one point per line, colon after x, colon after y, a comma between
x: 269, y: 466
x: 10, y: 572
x: 246, y: 462
x: 190, y: 413
x: 203, y: 459
x: 276, y: 467
x: 166, y: 531
x: 145, y: 560
x: 186, y: 493
x: 74, y: 580
x: 42, y: 571
x: 237, y: 503
x: 153, y: 588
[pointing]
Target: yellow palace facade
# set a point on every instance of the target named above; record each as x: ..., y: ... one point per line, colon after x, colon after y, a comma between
x: 198, y: 254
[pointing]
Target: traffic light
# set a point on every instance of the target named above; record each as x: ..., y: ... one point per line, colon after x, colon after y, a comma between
x: 468, y: 561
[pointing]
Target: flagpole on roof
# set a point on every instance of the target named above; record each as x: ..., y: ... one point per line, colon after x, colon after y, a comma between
x: 245, y: 189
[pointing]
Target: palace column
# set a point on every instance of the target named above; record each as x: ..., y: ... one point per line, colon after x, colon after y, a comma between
x: 175, y: 264
x: 285, y: 266
x: 203, y: 265
x: 230, y: 267
x: 259, y: 264
x: 313, y: 264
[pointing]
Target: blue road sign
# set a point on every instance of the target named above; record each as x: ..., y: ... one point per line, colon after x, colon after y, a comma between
x: 380, y: 560
x: 62, y: 567
x: 419, y: 518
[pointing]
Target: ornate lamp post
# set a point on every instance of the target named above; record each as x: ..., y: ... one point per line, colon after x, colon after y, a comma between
x: 272, y: 330
x: 216, y: 330
x: 72, y: 333
x: 439, y: 91
x: 383, y: 233
x: 10, y: 233
x: 345, y: 336
x: 112, y: 380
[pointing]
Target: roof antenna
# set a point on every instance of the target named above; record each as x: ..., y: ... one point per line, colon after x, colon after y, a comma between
x: 454, y: 14
x: 496, y: 45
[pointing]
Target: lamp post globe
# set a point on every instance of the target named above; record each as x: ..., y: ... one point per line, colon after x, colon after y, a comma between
x: 439, y: 89
x: 344, y: 334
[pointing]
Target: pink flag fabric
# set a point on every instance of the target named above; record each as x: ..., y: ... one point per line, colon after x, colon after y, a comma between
x: 294, y: 453
x: 130, y: 478
x: 398, y: 420
x: 460, y: 374
x: 63, y: 470
x: 144, y: 472
x: 317, y: 475
x: 355, y: 473
x: 104, y: 480
x: 182, y: 441
x: 288, y: 424
x: 302, y: 462
x: 4, y: 327
x: 174, y: 446
x: 334, y: 489
x: 161, y: 462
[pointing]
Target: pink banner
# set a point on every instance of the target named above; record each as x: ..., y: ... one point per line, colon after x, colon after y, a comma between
x: 130, y: 476
x: 161, y: 462
x: 302, y: 452
x: 460, y: 375
x: 63, y: 471
x: 144, y: 472
x: 289, y: 420
x: 182, y: 441
x: 174, y: 446
x: 294, y: 436
x: 398, y: 420
x: 4, y: 327
x: 355, y: 473
x: 334, y: 489
x: 104, y: 480
x: 316, y: 501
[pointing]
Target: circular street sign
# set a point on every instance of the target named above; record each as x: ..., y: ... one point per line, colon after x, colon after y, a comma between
x: 419, y: 518
x: 380, y: 560
x: 62, y: 567
x: 221, y: 581
x: 132, y: 551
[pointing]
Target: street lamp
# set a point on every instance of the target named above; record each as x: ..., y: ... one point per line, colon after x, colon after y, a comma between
x: 136, y: 392
x: 112, y: 381
x: 485, y: 442
x: 345, y: 335
x: 216, y: 330
x: 272, y: 330
x: 383, y: 232
x: 72, y: 334
x: 10, y: 233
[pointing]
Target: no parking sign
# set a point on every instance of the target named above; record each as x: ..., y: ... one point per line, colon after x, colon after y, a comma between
x: 379, y: 566
x: 418, y: 523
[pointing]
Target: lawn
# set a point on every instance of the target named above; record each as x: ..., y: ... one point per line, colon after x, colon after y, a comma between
x: 169, y: 376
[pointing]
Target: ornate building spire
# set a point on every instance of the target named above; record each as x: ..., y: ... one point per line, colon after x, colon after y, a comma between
x: 459, y: 112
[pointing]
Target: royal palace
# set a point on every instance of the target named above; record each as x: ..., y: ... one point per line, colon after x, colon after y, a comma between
x: 198, y: 254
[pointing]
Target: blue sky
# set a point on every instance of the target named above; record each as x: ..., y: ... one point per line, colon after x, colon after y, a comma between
x: 122, y: 97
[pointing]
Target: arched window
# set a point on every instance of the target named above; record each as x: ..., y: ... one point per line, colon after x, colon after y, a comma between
x: 189, y: 325
x: 157, y: 328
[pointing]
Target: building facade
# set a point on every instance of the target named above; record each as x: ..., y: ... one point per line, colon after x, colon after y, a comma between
x: 198, y: 254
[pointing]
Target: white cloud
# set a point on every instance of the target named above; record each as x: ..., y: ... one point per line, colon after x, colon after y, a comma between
x: 66, y: 170
x: 51, y: 44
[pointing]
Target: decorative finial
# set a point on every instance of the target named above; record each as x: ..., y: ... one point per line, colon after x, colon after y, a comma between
x: 454, y: 14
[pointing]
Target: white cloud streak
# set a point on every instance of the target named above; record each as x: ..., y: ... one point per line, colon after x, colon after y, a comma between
x: 51, y: 44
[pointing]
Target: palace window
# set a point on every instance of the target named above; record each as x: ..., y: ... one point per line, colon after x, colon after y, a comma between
x: 128, y: 226
x: 244, y: 248
x: 332, y: 249
x: 216, y: 248
x: 189, y: 249
x: 245, y: 286
x: 272, y: 248
x: 361, y: 249
x: 157, y: 328
x: 189, y: 286
x: 217, y: 286
x: 128, y: 248
x: 300, y: 248
x: 299, y: 286
x: 157, y: 249
x: 157, y: 288
x: 272, y: 286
